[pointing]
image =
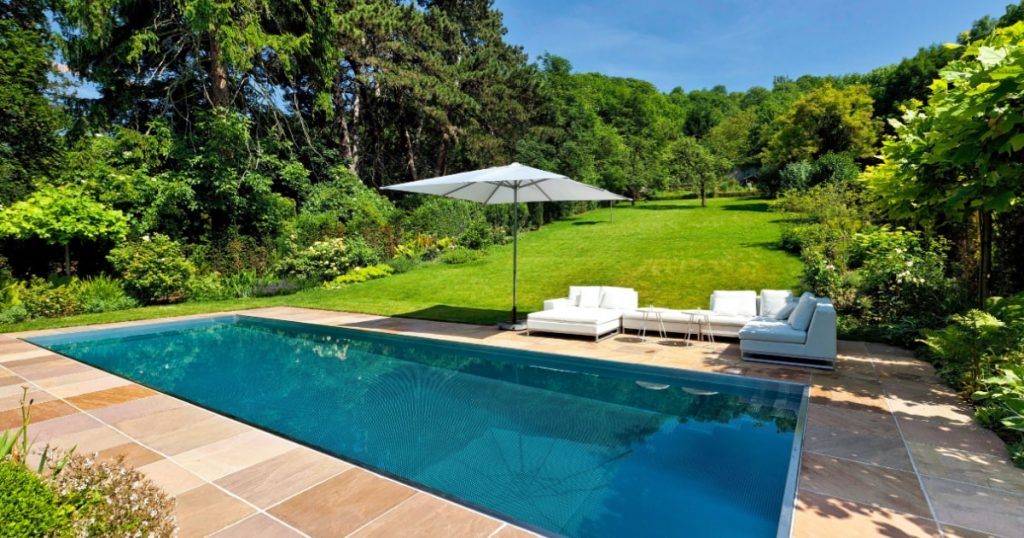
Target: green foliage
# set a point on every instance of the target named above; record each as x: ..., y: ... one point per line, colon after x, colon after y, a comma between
x: 827, y: 119
x: 13, y: 314
x: 403, y: 264
x: 459, y: 255
x: 326, y: 260
x: 44, y: 299
x: 154, y: 269
x: 359, y: 274
x: 796, y: 176
x: 102, y: 294
x: 29, y: 121
x: 1006, y: 391
x: 29, y: 506
x: 476, y: 236
x: 695, y: 166
x: 958, y: 152
x: 424, y: 247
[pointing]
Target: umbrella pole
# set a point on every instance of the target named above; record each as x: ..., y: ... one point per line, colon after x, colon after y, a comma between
x: 514, y: 324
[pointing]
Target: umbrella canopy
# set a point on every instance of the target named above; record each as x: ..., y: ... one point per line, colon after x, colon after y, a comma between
x: 510, y: 184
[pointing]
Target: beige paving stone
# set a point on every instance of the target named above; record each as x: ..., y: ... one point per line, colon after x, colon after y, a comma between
x: 509, y: 531
x: 258, y: 526
x: 43, y: 432
x: 979, y: 468
x: 975, y: 507
x: 821, y: 516
x: 958, y: 435
x: 952, y: 531
x: 132, y: 454
x: 432, y: 517
x: 136, y: 408
x: 99, y: 382
x: 180, y: 429
x: 89, y: 441
x: 862, y: 483
x: 108, y: 397
x: 851, y: 393
x: 221, y: 458
x: 342, y: 504
x: 22, y: 355
x: 206, y: 509
x: 278, y: 478
x: 171, y: 477
x: 38, y: 412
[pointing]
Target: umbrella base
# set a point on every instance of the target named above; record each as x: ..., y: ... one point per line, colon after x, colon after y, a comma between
x: 519, y: 325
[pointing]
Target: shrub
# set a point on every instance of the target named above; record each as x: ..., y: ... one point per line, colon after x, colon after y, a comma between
x: 44, y: 299
x: 111, y: 499
x: 103, y: 294
x: 13, y: 314
x: 424, y: 247
x: 325, y: 260
x: 208, y: 287
x: 270, y: 288
x: 28, y: 506
x: 796, y: 176
x: 360, y: 274
x: 478, y: 235
x: 154, y: 269
x: 402, y: 264
x: 460, y: 255
x: 308, y: 228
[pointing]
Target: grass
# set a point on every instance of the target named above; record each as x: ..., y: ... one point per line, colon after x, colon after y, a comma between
x: 674, y: 253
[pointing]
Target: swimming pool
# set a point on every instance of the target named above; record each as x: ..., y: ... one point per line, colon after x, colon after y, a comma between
x: 562, y: 445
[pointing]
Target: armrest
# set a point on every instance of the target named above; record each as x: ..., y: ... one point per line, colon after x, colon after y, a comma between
x: 821, y: 334
x: 561, y: 302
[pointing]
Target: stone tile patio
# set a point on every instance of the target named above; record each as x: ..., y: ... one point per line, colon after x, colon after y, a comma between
x: 888, y: 449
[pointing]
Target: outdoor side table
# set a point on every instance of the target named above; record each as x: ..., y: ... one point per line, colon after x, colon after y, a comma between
x: 702, y: 319
x: 652, y: 313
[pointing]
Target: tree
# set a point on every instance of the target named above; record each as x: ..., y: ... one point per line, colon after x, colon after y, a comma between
x: 960, y: 153
x: 60, y: 215
x: 29, y: 145
x: 826, y: 119
x: 731, y: 138
x: 695, y: 166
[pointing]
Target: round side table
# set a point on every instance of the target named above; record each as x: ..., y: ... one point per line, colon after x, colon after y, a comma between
x: 652, y: 313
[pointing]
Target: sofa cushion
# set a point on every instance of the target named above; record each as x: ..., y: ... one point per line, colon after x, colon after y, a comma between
x: 618, y: 298
x: 772, y: 331
x: 786, y: 310
x: 722, y: 319
x: 800, y: 319
x: 773, y: 300
x: 734, y: 303
x: 585, y: 296
x: 576, y: 314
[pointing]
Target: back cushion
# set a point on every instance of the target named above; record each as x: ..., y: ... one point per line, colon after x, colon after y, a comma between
x: 618, y: 298
x: 800, y: 319
x: 586, y: 296
x: 772, y: 301
x: 734, y: 303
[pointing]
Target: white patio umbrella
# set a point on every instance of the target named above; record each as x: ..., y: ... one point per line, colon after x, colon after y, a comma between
x: 511, y: 184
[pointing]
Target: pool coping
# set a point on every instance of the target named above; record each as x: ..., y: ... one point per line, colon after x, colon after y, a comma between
x: 787, y: 512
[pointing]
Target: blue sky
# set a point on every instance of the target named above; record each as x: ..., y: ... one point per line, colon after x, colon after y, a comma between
x: 740, y: 43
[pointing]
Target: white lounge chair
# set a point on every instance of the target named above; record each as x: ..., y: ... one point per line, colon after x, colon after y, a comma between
x: 587, y: 311
x: 807, y: 336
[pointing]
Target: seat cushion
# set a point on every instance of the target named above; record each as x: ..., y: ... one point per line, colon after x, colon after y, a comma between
x: 734, y: 303
x: 772, y: 331
x: 618, y: 298
x: 800, y: 319
x: 585, y: 296
x: 576, y: 314
x: 772, y: 301
x: 722, y: 319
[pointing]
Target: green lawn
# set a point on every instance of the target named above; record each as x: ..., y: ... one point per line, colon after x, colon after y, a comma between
x: 673, y: 252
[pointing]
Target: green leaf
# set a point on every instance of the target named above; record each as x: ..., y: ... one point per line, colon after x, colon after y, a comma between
x: 989, y: 56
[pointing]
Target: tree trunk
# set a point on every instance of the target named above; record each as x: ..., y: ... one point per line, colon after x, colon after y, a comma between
x: 67, y: 259
x: 410, y: 155
x: 442, y: 155
x: 218, y: 74
x: 985, y: 271
x: 344, y: 140
x: 703, y: 197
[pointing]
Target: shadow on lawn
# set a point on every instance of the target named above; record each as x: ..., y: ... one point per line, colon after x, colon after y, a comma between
x: 759, y: 207
x: 438, y: 319
x: 664, y: 207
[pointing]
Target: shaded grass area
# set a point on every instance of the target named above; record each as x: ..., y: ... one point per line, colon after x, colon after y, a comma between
x: 674, y: 253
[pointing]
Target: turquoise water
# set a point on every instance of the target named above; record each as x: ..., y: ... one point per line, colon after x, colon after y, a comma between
x: 562, y: 445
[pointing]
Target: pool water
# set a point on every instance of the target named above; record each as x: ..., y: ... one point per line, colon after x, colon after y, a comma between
x: 562, y: 445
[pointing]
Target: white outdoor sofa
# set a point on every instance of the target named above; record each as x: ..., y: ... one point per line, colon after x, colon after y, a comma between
x: 729, y: 312
x: 588, y: 311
